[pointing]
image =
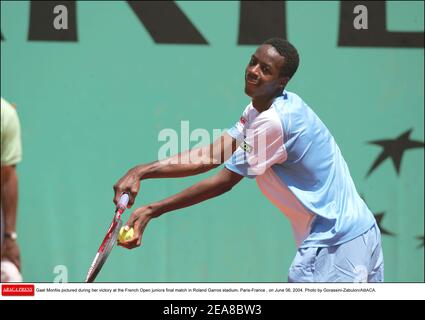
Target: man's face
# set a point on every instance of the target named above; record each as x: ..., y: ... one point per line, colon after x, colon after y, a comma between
x: 262, y: 75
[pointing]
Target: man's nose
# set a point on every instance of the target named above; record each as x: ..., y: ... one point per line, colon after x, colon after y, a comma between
x: 254, y: 70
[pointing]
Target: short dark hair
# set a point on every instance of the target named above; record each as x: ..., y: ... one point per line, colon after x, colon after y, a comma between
x: 288, y: 51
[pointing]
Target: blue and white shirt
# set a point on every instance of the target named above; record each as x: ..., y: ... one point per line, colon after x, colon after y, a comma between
x: 300, y: 169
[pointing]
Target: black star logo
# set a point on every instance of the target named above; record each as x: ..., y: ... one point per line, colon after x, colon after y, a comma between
x: 379, y: 217
x: 420, y: 238
x: 394, y: 149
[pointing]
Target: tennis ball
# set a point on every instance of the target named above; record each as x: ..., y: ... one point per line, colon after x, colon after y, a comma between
x: 125, y: 235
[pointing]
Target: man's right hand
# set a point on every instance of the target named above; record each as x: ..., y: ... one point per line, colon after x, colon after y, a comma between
x: 129, y: 183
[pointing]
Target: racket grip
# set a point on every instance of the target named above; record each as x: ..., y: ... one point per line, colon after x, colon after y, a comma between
x: 122, y: 203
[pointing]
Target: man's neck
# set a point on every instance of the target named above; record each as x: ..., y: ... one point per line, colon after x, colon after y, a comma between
x: 262, y: 104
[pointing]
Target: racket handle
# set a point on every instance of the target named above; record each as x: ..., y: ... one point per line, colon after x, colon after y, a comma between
x: 122, y: 203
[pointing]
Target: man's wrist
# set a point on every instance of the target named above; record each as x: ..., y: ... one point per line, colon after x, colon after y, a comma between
x: 155, y: 210
x: 140, y: 171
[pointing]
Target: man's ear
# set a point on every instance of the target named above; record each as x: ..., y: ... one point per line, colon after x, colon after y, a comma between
x: 283, y: 81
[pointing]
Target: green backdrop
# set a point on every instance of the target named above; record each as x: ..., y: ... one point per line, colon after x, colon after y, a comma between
x: 92, y: 109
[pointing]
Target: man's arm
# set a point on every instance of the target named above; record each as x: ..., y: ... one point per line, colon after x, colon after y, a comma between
x: 211, y: 187
x: 9, y: 202
x: 186, y: 164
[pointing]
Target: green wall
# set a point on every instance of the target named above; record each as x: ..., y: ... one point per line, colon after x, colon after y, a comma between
x: 92, y: 109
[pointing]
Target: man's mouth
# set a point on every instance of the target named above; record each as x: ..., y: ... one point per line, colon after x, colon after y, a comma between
x: 251, y: 80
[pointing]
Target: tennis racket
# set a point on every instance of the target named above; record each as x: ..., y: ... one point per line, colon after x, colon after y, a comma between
x: 109, y: 240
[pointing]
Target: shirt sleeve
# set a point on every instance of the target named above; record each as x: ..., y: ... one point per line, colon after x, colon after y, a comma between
x: 238, y: 130
x: 262, y: 147
x: 11, y: 148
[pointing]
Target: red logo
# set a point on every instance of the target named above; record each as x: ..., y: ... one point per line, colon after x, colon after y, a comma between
x: 17, y: 289
x: 242, y: 120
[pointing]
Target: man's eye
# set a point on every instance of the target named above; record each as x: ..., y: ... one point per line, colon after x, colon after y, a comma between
x: 265, y: 69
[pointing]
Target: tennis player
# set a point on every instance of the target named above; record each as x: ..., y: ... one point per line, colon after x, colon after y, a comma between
x: 298, y: 166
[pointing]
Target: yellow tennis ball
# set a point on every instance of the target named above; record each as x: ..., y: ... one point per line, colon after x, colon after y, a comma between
x: 125, y: 235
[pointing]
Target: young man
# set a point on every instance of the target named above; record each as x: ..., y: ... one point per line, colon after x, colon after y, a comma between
x: 282, y: 143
